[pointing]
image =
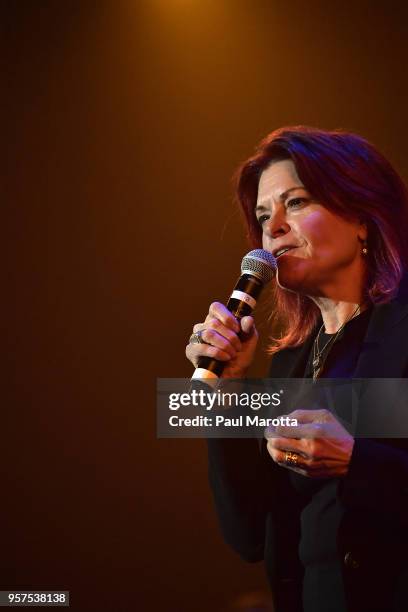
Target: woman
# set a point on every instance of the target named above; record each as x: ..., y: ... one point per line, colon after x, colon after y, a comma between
x: 327, y: 513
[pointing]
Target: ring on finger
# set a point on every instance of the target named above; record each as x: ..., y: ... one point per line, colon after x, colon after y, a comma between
x: 197, y: 338
x: 291, y: 459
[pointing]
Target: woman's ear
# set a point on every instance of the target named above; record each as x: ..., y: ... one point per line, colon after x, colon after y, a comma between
x: 362, y: 232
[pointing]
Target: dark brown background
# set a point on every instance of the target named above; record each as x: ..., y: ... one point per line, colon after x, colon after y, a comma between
x: 124, y: 121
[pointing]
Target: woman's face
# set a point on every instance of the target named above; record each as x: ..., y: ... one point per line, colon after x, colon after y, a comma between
x: 325, y: 249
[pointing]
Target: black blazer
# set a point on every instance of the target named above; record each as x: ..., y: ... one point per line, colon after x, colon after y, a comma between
x: 259, y: 511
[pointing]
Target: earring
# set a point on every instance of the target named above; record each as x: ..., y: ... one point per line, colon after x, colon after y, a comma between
x: 364, y: 250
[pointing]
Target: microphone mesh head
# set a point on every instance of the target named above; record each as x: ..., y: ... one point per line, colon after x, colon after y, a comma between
x: 261, y: 264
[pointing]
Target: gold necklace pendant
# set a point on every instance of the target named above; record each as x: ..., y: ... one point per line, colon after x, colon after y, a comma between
x: 316, y: 373
x: 316, y: 362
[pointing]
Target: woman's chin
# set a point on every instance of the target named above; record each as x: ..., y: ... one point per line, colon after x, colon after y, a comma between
x: 289, y: 282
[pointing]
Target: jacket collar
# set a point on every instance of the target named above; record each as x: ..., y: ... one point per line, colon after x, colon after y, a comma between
x: 384, y: 353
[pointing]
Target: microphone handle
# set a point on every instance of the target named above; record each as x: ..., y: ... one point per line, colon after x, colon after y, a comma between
x: 241, y: 303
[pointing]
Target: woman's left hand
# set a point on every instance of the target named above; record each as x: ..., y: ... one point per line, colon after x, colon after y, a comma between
x: 318, y: 447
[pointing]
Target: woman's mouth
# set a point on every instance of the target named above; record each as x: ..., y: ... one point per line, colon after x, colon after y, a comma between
x: 283, y: 251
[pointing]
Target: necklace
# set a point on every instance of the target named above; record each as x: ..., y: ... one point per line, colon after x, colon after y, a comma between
x: 318, y: 358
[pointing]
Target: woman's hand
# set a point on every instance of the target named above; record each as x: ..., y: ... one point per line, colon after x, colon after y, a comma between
x: 220, y: 334
x: 318, y: 447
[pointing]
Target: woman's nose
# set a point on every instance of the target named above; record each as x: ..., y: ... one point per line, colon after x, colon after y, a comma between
x: 277, y: 226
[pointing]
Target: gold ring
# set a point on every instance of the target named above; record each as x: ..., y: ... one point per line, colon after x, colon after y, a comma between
x: 291, y: 458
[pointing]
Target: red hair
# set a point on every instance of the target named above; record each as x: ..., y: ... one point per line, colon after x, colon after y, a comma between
x: 351, y: 178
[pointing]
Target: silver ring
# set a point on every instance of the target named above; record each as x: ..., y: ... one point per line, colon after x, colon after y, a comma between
x: 196, y: 338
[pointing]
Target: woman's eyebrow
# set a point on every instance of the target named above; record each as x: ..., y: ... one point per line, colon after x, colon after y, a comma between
x: 282, y: 197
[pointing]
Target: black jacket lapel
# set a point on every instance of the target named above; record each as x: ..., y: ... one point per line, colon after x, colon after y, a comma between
x: 384, y: 353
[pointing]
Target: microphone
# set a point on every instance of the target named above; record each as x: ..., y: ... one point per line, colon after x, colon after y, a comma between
x: 257, y: 269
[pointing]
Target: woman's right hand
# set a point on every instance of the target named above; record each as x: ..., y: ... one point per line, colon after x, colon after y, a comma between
x: 221, y: 341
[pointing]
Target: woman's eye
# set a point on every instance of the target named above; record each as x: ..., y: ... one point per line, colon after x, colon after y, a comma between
x: 292, y: 203
x: 262, y: 219
x: 295, y: 202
